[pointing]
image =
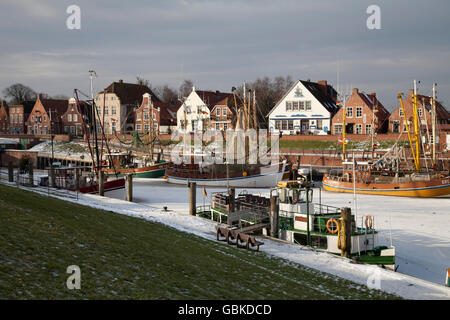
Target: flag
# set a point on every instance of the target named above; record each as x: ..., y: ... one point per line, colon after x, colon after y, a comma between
x: 204, y: 192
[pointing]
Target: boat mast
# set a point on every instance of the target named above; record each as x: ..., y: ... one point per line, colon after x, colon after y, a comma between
x: 416, y: 128
x: 150, y: 131
x: 94, y: 125
x: 399, y: 96
x: 433, y: 123
x: 344, y: 110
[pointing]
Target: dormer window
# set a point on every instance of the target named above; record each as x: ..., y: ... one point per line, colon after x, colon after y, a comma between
x: 218, y: 111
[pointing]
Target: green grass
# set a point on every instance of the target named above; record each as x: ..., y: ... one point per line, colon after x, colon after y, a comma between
x: 335, y: 145
x: 130, y: 258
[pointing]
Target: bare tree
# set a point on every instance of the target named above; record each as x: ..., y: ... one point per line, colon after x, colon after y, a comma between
x: 185, y: 88
x: 18, y: 92
x: 166, y: 93
x: 143, y: 82
x: 61, y: 97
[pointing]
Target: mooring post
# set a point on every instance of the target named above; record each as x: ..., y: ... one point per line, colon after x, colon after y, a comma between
x: 52, y: 176
x: 274, y: 214
x: 77, y: 180
x: 129, y: 187
x: 101, y: 183
x: 192, y: 198
x: 30, y: 174
x: 10, y: 172
x: 232, y: 199
x: 346, y: 229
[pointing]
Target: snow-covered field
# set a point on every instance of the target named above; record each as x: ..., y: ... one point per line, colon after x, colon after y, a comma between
x: 420, y: 232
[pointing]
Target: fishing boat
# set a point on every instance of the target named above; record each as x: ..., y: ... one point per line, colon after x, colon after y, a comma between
x: 235, y: 176
x: 302, y: 221
x: 392, y: 174
x: 123, y: 163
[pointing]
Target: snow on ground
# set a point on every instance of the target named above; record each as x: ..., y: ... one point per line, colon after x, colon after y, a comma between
x: 420, y: 236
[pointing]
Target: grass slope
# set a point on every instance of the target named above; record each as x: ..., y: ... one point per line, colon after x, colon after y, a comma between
x: 129, y: 258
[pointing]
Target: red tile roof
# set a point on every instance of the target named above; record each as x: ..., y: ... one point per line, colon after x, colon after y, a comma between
x: 213, y: 98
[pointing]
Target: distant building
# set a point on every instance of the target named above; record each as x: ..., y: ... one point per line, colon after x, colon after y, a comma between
x: 204, y: 110
x: 306, y: 108
x: 364, y: 114
x: 120, y: 101
x: 397, y: 123
x: 73, y: 117
x: 163, y: 116
x: 19, y: 115
x: 45, y: 118
x: 4, y: 117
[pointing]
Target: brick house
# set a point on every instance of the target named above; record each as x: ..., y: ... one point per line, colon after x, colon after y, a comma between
x: 120, y: 101
x: 38, y: 121
x: 397, y: 122
x: 364, y: 114
x: 19, y: 115
x: 72, y: 119
x: 163, y: 115
x: 203, y: 110
x: 4, y: 117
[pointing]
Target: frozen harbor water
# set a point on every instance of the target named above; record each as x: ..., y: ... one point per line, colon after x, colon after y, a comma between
x: 420, y: 228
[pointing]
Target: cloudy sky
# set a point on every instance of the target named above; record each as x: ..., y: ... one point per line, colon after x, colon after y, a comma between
x: 220, y: 44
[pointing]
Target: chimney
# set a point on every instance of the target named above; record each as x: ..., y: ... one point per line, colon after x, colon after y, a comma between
x: 411, y: 92
x: 120, y: 81
x: 322, y: 83
x: 193, y: 89
x: 355, y: 91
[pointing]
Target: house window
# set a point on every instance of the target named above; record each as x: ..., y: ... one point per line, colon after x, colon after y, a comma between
x: 284, y: 124
x: 368, y: 129
x: 225, y: 126
x: 20, y: 118
x: 295, y: 105
x: 301, y: 105
x: 358, y: 112
x: 349, y: 112
x: 404, y: 126
x: 288, y: 105
x: 359, y: 129
x: 396, y: 126
x: 32, y: 118
x: 277, y: 124
x: 400, y: 112
x: 99, y: 110
x: 138, y: 127
x: 224, y: 111
x: 420, y: 112
x: 217, y: 126
x: 113, y: 126
x: 146, y: 115
x: 218, y: 111
x: 290, y: 124
x: 45, y: 118
x: 154, y: 115
x: 319, y: 124
x: 69, y: 117
x: 75, y: 118
x: 138, y: 116
x: 338, y: 128
x: 146, y: 128
x: 308, y: 105
x: 113, y: 110
x: 106, y: 110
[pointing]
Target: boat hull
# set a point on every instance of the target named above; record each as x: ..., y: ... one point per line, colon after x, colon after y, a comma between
x: 155, y: 171
x: 422, y: 189
x: 264, y: 180
x: 108, y: 186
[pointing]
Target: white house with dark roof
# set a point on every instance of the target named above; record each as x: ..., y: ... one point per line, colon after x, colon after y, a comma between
x: 203, y: 110
x: 306, y: 108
